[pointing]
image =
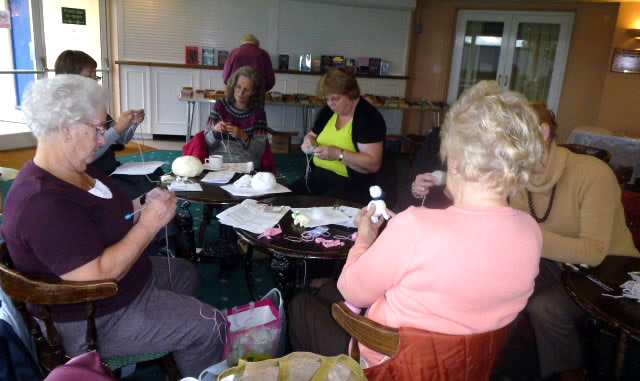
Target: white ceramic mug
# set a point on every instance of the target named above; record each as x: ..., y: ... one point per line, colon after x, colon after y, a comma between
x: 214, y: 161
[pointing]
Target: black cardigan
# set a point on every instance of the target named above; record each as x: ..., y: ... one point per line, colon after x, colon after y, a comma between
x: 368, y: 127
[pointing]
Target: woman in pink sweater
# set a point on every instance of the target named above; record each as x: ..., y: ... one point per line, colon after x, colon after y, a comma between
x: 469, y: 268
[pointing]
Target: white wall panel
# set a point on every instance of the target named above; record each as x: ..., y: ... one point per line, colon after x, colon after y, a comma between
x: 159, y: 30
x: 329, y: 29
x: 169, y: 116
x: 136, y: 93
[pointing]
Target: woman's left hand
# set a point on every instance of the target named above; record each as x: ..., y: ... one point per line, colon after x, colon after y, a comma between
x: 365, y: 226
x: 138, y: 116
x: 236, y: 132
x: 327, y: 152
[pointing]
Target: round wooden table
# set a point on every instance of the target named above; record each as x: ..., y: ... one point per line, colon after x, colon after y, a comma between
x: 288, y: 257
x: 622, y: 313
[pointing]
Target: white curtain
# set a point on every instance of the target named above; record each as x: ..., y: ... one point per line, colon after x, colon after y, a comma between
x: 533, y: 60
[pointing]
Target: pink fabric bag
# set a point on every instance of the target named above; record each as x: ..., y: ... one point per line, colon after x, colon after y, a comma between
x: 87, y: 366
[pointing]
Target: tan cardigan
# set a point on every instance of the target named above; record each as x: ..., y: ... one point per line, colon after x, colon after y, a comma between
x: 586, y: 222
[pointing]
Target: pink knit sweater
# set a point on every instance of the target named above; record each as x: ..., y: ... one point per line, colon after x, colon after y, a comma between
x: 459, y: 271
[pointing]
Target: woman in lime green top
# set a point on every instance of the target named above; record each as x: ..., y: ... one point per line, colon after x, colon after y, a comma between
x: 347, y: 141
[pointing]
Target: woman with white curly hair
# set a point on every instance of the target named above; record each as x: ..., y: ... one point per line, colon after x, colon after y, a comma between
x: 66, y: 220
x: 463, y: 270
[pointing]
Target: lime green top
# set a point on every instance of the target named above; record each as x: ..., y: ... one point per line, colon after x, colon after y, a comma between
x: 331, y: 136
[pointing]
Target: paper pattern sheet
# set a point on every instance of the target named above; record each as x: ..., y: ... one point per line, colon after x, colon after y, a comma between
x: 139, y: 168
x: 326, y: 215
x: 182, y: 187
x: 221, y: 177
x: 251, y: 216
x: 250, y: 192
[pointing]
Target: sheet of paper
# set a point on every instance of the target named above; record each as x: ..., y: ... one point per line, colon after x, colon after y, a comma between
x: 235, y: 167
x: 252, y: 216
x: 326, y: 215
x: 182, y: 187
x: 250, y: 192
x: 138, y: 168
x: 222, y: 177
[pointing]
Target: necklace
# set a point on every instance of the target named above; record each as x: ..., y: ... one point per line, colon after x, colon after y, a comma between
x: 532, y: 211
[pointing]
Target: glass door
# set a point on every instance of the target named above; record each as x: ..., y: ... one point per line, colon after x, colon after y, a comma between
x: 523, y: 51
x: 480, y: 51
x: 35, y: 33
x: 540, y: 47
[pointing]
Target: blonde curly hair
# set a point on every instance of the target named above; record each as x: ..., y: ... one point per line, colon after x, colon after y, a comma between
x: 494, y: 136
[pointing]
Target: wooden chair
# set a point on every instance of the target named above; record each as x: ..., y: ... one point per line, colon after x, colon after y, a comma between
x: 417, y: 354
x: 45, y: 293
x: 600, y: 153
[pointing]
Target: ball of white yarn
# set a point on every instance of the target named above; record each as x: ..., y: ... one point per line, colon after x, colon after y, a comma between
x: 263, y: 181
x: 187, y: 166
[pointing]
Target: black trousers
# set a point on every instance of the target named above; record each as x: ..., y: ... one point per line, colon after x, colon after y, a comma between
x: 322, y: 182
x: 311, y: 326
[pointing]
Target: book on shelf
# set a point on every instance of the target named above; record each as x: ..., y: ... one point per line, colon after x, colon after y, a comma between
x: 325, y: 63
x: 305, y: 62
x: 337, y: 61
x: 315, y: 66
x: 362, y: 65
x: 385, y: 67
x: 192, y: 55
x: 374, y: 66
x: 283, y: 62
x: 208, y: 57
x: 350, y: 64
x: 222, y: 57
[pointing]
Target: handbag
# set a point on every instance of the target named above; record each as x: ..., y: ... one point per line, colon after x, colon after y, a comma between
x: 297, y: 366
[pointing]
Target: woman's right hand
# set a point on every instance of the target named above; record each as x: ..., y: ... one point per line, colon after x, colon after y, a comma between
x: 422, y: 184
x: 220, y: 127
x: 309, y: 142
x: 160, y: 211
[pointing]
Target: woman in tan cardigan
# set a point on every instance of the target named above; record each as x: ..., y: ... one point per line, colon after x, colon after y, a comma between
x: 576, y: 200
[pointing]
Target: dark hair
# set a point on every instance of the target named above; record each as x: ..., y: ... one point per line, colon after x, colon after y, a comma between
x: 73, y: 61
x: 339, y: 81
x: 257, y: 98
x: 546, y: 116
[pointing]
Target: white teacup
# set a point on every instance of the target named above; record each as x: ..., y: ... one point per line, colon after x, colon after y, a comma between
x: 214, y: 161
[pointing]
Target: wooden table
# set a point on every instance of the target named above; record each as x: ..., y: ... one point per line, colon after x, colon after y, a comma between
x: 288, y: 257
x: 622, y: 313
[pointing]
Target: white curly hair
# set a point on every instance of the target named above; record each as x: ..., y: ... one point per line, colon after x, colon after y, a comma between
x: 63, y: 99
x: 494, y: 135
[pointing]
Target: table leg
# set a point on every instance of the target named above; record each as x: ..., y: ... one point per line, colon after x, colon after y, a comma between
x: 191, y: 106
x: 248, y: 266
x: 207, y: 214
x: 623, y: 342
x: 185, y: 222
x: 284, y: 274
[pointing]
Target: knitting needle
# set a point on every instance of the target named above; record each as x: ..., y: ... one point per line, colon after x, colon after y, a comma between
x: 130, y: 215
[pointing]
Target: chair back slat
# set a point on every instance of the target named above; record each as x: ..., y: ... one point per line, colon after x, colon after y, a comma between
x: 43, y: 291
x: 373, y: 335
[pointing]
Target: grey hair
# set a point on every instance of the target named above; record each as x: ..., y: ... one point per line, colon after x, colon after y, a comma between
x: 65, y: 98
x: 257, y: 98
x: 494, y: 135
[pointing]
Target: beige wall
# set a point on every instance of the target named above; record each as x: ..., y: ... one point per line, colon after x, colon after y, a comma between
x: 620, y: 101
x: 587, y: 64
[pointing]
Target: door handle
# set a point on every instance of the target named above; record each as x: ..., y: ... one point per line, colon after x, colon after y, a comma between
x: 499, y: 78
x: 506, y: 80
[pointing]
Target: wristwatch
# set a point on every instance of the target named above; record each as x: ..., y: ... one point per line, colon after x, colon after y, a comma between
x: 341, y: 156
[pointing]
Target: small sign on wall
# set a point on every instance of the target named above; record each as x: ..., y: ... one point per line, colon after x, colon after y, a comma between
x: 74, y: 16
x: 626, y: 61
x: 5, y: 19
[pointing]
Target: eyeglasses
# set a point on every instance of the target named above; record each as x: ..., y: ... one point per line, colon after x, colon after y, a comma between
x: 332, y: 99
x: 100, y: 128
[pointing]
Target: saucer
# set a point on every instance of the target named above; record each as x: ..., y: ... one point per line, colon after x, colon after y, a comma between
x: 208, y: 167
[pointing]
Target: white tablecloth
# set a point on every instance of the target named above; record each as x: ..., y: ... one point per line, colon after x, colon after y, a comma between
x: 625, y: 151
